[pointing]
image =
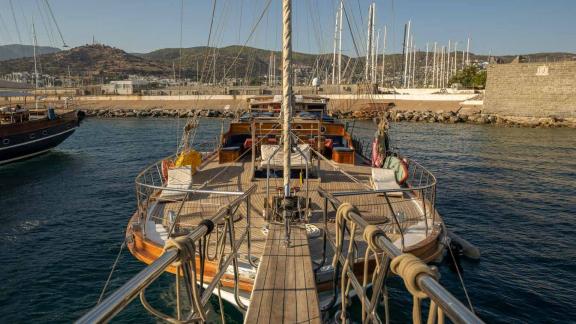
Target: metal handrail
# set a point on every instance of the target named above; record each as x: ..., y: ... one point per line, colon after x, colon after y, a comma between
x: 118, y: 300
x: 453, y: 308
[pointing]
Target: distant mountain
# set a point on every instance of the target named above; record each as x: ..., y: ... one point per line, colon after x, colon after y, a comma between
x: 14, y: 51
x: 238, y: 62
x: 101, y: 63
x: 89, y: 60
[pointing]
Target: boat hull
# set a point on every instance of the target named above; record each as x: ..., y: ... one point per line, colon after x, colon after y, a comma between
x: 18, y: 142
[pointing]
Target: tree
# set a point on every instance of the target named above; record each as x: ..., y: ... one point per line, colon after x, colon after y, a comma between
x: 471, y: 77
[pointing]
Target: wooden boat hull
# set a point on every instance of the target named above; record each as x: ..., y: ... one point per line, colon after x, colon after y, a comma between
x: 22, y: 141
x: 147, y: 252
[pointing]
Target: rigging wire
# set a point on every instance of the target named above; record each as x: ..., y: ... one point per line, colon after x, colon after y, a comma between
x: 15, y: 22
x: 55, y: 22
x: 111, y: 272
x: 252, y: 31
x: 460, y: 278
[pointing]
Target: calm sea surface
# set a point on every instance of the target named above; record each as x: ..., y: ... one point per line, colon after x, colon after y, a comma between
x: 511, y: 192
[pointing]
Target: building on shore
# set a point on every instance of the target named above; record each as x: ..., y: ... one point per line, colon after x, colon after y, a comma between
x: 124, y: 87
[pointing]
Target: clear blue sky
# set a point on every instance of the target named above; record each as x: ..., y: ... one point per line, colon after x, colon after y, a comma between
x: 499, y: 26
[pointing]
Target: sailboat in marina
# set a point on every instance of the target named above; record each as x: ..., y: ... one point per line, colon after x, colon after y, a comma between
x: 27, y: 131
x: 286, y: 218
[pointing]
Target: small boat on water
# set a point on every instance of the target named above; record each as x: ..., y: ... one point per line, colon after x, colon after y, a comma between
x: 25, y: 133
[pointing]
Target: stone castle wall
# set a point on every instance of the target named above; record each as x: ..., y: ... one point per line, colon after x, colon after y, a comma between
x: 531, y: 89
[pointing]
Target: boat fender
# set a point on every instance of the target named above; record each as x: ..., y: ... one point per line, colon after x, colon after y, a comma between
x: 209, y: 225
x: 468, y: 249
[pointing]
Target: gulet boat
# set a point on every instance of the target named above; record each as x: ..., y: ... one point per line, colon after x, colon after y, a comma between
x: 391, y: 191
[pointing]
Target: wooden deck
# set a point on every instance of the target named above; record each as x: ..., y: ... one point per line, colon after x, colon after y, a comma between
x: 285, y: 288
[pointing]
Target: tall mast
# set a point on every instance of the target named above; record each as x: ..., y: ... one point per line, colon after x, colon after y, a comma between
x: 434, y: 66
x: 335, y: 48
x: 384, y: 54
x: 35, y: 67
x: 426, y: 68
x: 369, y: 45
x: 455, y: 65
x: 448, y: 61
x: 413, y: 61
x: 286, y: 89
x: 375, y: 65
x: 373, y: 52
x: 340, y: 42
x: 405, y: 50
x: 468, y: 52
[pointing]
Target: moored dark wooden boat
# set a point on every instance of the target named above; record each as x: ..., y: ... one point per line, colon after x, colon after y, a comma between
x: 22, y: 136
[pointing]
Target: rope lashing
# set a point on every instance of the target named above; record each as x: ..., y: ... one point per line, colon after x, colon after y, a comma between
x: 343, y: 213
x: 185, y: 246
x: 409, y: 267
x: 371, y: 233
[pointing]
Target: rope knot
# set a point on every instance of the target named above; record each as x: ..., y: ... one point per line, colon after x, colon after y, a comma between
x: 342, y: 213
x: 186, y: 248
x: 371, y: 233
x: 409, y: 267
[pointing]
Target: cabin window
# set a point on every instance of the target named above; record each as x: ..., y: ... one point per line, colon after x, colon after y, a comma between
x: 5, y: 141
x: 32, y: 136
x: 44, y: 132
x: 322, y: 129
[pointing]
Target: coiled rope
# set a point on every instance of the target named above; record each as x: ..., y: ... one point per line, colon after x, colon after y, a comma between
x: 409, y: 268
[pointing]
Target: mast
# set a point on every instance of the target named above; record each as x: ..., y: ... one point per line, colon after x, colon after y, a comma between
x: 340, y: 42
x: 375, y: 65
x: 369, y: 45
x: 448, y: 62
x: 384, y: 55
x: 468, y: 51
x: 35, y: 67
x: 426, y: 68
x: 405, y: 50
x: 286, y: 89
x: 434, y: 66
x: 455, y: 65
x: 413, y: 61
x: 335, y: 48
x: 373, y: 53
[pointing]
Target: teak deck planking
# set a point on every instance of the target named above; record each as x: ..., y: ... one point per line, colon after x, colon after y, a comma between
x: 284, y: 290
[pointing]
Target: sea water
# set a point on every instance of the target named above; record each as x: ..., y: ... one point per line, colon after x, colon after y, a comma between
x: 509, y: 191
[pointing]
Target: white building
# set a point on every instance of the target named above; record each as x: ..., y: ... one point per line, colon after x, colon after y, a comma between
x: 126, y: 87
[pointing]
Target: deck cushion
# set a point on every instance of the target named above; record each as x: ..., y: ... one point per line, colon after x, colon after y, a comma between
x: 385, y: 179
x: 400, y: 168
x: 178, y: 178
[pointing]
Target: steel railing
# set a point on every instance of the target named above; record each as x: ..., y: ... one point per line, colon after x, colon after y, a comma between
x: 451, y: 306
x: 119, y: 299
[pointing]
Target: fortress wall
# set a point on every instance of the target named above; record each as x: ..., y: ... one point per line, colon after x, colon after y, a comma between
x: 531, y: 89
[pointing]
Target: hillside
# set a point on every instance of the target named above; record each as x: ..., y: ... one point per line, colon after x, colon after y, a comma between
x: 101, y: 61
x: 14, y: 51
x: 249, y: 62
x: 90, y: 60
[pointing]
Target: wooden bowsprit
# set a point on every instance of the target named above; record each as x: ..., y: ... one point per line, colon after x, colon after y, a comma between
x: 285, y: 287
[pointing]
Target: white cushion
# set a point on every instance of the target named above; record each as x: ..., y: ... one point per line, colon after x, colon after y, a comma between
x: 178, y: 178
x: 385, y: 179
x: 297, y: 160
